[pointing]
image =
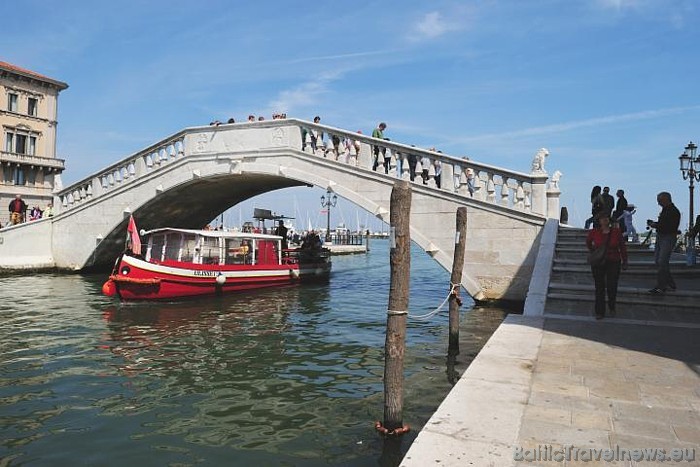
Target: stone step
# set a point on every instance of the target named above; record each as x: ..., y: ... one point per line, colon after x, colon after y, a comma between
x: 631, y: 308
x: 644, y: 279
x: 579, y: 243
x: 634, y: 263
x: 684, y: 298
x: 633, y: 269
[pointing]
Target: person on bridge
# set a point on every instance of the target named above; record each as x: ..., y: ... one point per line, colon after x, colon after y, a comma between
x: 597, y: 205
x: 666, y: 234
x: 379, y: 134
x: 18, y: 209
x: 608, y: 200
x: 607, y: 274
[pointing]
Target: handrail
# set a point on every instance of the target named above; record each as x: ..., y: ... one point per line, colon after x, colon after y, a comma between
x: 477, y: 180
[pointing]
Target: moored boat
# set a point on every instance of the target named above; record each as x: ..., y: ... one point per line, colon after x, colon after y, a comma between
x: 179, y: 263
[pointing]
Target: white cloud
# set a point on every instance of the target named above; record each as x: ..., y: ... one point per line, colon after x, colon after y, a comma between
x: 591, y: 122
x: 304, y: 95
x: 433, y: 25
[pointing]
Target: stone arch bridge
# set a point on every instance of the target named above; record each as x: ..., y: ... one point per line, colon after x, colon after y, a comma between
x: 187, y: 179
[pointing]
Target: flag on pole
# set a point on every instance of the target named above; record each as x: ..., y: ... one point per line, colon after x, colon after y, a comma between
x: 133, y: 236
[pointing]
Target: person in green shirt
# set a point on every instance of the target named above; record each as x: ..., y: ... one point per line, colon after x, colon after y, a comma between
x: 378, y: 133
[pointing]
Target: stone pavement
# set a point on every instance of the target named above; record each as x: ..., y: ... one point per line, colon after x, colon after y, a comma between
x: 545, y: 381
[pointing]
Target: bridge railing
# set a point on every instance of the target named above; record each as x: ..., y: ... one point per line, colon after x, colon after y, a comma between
x: 483, y: 182
x: 488, y: 183
x: 121, y: 173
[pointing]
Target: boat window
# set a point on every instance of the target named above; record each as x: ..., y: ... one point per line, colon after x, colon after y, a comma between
x: 238, y: 251
x: 209, y: 250
x: 156, y: 248
x: 189, y: 243
x: 172, y: 247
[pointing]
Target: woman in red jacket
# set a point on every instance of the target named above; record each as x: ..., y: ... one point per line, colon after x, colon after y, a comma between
x: 607, y: 274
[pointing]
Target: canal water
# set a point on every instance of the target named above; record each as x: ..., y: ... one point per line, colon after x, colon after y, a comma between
x: 289, y: 377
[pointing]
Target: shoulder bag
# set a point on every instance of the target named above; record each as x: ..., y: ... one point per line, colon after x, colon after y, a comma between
x: 597, y: 256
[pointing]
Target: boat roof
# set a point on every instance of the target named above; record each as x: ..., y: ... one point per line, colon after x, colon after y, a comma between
x: 214, y: 233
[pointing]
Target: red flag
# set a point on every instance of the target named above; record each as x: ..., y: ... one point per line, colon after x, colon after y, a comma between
x: 134, y: 236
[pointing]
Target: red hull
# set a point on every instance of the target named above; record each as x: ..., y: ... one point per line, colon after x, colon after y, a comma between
x: 136, y: 279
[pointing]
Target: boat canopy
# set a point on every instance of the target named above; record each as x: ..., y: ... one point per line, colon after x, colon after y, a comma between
x: 212, y: 233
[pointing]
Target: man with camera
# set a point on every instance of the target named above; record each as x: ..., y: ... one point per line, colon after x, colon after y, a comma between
x: 666, y: 233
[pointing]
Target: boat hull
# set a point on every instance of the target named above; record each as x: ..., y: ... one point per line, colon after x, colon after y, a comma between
x: 136, y: 279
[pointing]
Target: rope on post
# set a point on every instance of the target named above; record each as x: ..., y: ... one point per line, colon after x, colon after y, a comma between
x: 454, y: 290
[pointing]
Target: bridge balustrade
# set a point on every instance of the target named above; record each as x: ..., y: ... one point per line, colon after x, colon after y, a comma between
x: 121, y: 173
x: 516, y: 190
x: 434, y: 170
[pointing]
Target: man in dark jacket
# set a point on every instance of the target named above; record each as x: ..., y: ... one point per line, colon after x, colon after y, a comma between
x: 620, y: 208
x: 608, y: 200
x: 18, y: 209
x: 666, y: 234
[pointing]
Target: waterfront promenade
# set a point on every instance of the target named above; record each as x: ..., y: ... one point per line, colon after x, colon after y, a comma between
x: 570, y: 381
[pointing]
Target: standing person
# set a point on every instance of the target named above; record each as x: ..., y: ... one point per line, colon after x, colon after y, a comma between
x: 596, y: 206
x: 316, y: 136
x: 471, y: 178
x: 379, y: 134
x: 606, y: 275
x: 620, y: 208
x: 608, y: 200
x: 18, y: 209
x: 626, y: 219
x: 438, y: 172
x: 412, y: 163
x: 666, y: 233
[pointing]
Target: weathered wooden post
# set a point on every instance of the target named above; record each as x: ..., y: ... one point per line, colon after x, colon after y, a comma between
x: 395, y: 344
x: 456, y: 279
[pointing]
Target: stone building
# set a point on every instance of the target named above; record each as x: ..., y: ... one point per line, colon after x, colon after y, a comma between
x: 28, y: 163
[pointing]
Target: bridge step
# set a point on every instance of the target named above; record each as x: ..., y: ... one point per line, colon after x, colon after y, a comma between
x: 571, y: 290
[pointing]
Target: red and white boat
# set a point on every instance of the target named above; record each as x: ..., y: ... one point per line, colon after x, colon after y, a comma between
x: 180, y: 263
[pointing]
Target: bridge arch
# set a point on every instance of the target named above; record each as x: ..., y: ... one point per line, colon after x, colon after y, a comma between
x: 187, y: 179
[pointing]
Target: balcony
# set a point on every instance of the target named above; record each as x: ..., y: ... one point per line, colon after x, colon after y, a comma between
x: 25, y: 159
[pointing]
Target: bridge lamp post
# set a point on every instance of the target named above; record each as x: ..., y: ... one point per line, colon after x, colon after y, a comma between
x: 690, y: 169
x: 328, y: 203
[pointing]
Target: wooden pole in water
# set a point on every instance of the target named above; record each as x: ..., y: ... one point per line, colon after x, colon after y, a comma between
x: 456, y: 279
x: 395, y: 344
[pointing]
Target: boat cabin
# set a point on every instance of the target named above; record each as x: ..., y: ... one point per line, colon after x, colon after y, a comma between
x: 170, y: 246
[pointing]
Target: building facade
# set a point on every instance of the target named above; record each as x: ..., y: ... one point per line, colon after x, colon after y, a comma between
x: 28, y: 117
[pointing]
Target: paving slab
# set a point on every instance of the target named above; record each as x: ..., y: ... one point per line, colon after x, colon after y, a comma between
x: 579, y: 383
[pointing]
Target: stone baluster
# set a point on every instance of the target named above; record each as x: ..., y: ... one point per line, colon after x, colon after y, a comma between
x: 490, y: 188
x: 505, y: 191
x: 447, y: 177
x: 520, y: 196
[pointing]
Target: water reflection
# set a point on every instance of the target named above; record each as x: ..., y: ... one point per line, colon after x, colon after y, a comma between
x: 289, y: 376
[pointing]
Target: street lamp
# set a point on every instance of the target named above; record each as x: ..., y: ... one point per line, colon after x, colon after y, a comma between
x: 690, y: 169
x: 328, y: 203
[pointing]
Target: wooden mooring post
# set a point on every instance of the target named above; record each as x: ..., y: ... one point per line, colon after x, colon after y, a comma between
x: 397, y: 313
x: 456, y: 279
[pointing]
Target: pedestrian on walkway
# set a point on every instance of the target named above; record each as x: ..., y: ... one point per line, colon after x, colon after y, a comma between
x: 607, y: 274
x: 597, y: 205
x: 18, y: 210
x: 666, y: 234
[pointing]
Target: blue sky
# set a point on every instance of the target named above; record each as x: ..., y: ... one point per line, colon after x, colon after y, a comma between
x: 610, y: 87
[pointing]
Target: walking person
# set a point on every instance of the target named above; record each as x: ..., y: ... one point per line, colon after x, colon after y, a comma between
x: 666, y: 233
x: 620, y: 208
x: 597, y: 205
x: 18, y: 210
x: 608, y: 200
x: 607, y: 273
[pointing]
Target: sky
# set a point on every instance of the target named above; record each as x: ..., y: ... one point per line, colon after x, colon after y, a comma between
x: 609, y: 87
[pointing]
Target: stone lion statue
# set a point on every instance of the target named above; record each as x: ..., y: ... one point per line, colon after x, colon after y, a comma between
x: 538, y: 161
x: 554, y: 181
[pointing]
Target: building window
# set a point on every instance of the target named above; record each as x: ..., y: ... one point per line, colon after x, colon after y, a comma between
x: 12, y: 102
x: 20, y: 143
x: 32, y: 106
x: 31, y: 146
x: 9, y: 142
x: 18, y: 176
